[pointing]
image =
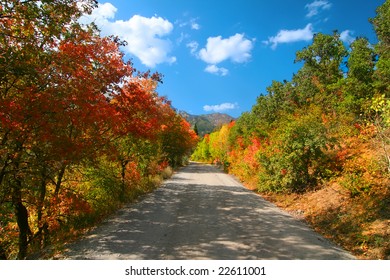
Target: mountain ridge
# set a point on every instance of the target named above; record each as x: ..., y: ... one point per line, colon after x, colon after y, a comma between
x: 207, y: 123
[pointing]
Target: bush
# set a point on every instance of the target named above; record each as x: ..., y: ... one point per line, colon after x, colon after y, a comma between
x: 297, y: 158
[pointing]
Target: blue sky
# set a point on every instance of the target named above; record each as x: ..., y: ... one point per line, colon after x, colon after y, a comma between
x: 218, y: 55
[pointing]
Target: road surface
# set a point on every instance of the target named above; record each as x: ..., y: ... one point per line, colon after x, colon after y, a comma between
x: 202, y: 213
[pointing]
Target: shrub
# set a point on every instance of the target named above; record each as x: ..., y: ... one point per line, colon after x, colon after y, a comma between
x: 297, y: 158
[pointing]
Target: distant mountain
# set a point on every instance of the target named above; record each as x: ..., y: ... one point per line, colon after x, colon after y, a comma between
x: 207, y: 123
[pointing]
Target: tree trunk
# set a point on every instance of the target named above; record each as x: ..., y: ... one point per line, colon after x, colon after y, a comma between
x: 59, y: 180
x: 123, y: 175
x: 3, y: 169
x: 42, y: 195
x: 21, y: 214
x: 24, y: 229
x: 3, y: 253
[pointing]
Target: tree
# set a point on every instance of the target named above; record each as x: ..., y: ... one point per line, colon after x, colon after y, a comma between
x: 249, y: 124
x: 324, y: 57
x: 52, y: 104
x: 380, y: 106
x: 219, y: 145
x: 317, y: 81
x: 361, y: 61
x: 68, y: 100
x: 381, y: 23
x: 202, y: 150
x: 138, y: 106
x: 280, y: 98
x: 359, y: 82
x: 196, y: 129
x: 380, y: 117
x: 296, y: 157
x: 177, y: 138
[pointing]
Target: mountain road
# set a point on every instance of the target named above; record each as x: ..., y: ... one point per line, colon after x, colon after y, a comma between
x: 203, y: 213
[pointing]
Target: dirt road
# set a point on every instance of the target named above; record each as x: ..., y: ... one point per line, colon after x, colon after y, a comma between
x: 202, y: 213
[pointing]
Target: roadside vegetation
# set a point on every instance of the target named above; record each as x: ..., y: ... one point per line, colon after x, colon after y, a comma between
x: 81, y: 131
x: 319, y: 145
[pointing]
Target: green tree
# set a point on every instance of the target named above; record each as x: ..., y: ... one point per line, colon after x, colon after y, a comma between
x: 358, y: 88
x: 280, y: 99
x: 381, y: 23
x: 202, y: 150
x: 324, y: 57
x: 380, y: 108
x: 247, y: 125
x: 361, y: 61
x: 196, y: 129
x: 317, y: 81
x: 297, y: 154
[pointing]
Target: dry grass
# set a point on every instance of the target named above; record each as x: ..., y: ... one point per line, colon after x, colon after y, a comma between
x: 360, y: 224
x: 353, y: 209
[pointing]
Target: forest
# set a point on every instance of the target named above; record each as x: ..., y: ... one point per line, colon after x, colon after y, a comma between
x: 327, y: 130
x: 81, y: 130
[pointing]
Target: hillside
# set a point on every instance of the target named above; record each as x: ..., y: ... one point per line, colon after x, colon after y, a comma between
x: 207, y: 123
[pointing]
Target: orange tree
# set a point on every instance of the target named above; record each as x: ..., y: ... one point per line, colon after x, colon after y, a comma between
x: 177, y: 139
x: 30, y: 43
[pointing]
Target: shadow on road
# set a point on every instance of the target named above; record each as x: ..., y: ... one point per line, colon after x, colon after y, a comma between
x: 189, y: 220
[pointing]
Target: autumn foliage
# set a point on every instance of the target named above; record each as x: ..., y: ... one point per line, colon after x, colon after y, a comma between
x: 81, y: 131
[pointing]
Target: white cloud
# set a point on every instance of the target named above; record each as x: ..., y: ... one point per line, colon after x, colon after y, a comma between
x: 191, y: 23
x: 193, y: 46
x: 235, y: 48
x: 213, y: 69
x: 183, y: 36
x: 145, y: 36
x: 195, y: 26
x: 315, y: 7
x: 289, y: 36
x: 346, y: 36
x: 220, y: 108
x: 106, y: 10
